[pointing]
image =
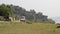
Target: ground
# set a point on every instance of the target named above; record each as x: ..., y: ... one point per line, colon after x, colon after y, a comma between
x: 34, y: 28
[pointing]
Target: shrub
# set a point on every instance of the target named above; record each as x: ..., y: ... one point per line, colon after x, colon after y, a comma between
x: 1, y: 18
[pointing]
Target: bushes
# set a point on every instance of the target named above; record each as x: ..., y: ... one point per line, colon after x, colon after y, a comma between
x: 1, y: 18
x: 28, y: 22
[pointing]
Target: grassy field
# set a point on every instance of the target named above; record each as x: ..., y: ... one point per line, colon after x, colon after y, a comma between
x: 35, y: 28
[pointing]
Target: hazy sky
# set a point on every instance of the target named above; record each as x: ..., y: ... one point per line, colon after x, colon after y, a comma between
x: 51, y: 8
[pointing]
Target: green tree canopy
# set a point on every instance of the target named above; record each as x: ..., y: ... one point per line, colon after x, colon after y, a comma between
x: 5, y: 10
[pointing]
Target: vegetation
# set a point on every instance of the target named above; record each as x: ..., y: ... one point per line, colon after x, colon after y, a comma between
x: 34, y: 28
x: 6, y: 11
x: 51, y: 21
x: 16, y: 12
x: 1, y: 18
x: 31, y: 15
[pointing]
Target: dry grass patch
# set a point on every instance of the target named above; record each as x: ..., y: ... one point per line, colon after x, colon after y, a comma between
x: 34, y: 28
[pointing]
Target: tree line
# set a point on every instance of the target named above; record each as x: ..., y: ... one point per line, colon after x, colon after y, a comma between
x: 10, y: 10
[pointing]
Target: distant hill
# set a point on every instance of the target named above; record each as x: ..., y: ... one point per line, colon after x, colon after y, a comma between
x: 57, y: 19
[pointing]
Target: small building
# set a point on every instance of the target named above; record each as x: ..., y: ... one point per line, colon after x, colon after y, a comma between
x: 12, y: 19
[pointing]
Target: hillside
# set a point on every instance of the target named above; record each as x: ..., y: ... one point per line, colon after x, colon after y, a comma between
x: 35, y: 28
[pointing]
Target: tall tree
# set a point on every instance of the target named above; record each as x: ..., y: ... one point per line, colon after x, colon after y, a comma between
x: 33, y: 14
x: 5, y: 11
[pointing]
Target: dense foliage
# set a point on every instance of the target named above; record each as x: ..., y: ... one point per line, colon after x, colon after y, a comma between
x: 5, y: 11
x: 10, y: 11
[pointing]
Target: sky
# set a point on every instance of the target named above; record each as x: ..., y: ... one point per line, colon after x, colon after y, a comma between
x: 51, y: 8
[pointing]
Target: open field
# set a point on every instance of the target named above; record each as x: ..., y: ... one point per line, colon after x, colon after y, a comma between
x: 35, y: 28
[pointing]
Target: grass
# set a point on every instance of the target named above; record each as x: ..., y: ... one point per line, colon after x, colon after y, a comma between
x: 34, y: 28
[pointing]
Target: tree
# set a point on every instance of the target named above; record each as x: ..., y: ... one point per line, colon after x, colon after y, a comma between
x: 33, y: 14
x: 5, y: 11
x: 51, y: 21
